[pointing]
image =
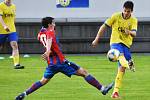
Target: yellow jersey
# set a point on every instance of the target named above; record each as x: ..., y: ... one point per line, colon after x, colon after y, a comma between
x: 118, y: 25
x: 8, y: 15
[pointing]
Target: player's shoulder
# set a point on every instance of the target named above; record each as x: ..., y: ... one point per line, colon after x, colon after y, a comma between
x: 46, y: 32
x: 116, y: 14
x: 40, y: 35
x: 134, y: 18
x: 13, y: 5
x: 1, y: 4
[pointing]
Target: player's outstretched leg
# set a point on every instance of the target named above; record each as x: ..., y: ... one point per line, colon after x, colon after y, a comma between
x: 107, y: 88
x: 104, y: 89
x: 33, y: 88
x: 94, y: 82
x: 20, y: 96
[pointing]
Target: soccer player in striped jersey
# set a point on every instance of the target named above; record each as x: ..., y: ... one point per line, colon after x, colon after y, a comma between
x: 8, y: 30
x: 124, y: 27
x: 57, y: 62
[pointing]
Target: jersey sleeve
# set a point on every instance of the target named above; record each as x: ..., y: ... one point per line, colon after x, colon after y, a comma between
x: 15, y: 10
x: 134, y: 25
x: 110, y: 20
x: 38, y: 37
x: 42, y: 38
x: 1, y: 11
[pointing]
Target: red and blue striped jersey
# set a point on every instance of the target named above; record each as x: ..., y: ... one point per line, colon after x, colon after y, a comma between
x: 56, y: 55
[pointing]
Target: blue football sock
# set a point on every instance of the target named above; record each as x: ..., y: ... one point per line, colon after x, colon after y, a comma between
x: 91, y: 80
x: 34, y: 87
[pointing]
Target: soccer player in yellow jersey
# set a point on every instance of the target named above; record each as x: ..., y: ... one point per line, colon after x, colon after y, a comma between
x: 8, y: 29
x: 124, y: 27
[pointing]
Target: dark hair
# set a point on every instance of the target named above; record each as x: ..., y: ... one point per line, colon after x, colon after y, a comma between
x: 46, y: 21
x: 129, y: 4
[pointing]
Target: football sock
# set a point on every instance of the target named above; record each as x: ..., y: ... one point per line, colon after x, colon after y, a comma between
x: 118, y: 81
x: 34, y: 87
x: 16, y: 60
x: 91, y: 80
x: 123, y: 61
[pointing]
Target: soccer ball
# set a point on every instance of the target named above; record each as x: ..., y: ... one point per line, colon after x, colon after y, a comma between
x: 64, y: 3
x: 113, y: 55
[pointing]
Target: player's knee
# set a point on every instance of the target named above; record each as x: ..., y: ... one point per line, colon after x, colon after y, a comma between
x: 82, y: 72
x: 123, y: 61
x: 14, y: 45
x: 122, y: 69
x: 85, y: 73
x: 44, y: 81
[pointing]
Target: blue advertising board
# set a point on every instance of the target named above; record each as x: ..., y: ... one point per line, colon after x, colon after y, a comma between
x: 72, y: 3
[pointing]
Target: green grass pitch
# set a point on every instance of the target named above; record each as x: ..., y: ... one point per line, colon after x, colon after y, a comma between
x: 136, y: 85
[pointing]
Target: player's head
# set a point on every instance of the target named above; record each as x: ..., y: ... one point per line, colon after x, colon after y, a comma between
x: 8, y: 1
x: 48, y: 22
x: 127, y: 9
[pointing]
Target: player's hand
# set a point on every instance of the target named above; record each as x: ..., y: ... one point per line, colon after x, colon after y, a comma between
x: 6, y: 28
x: 45, y: 56
x: 94, y: 43
x: 127, y: 32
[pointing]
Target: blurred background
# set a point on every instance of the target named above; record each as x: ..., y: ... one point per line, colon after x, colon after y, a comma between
x: 76, y: 25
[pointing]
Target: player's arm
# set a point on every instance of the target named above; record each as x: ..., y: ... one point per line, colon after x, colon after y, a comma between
x: 48, y: 49
x: 108, y: 23
x: 132, y: 32
x: 3, y: 24
x: 99, y: 34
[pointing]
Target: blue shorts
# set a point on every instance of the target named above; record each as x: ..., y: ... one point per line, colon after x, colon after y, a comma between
x: 67, y: 68
x: 123, y: 49
x: 8, y: 37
